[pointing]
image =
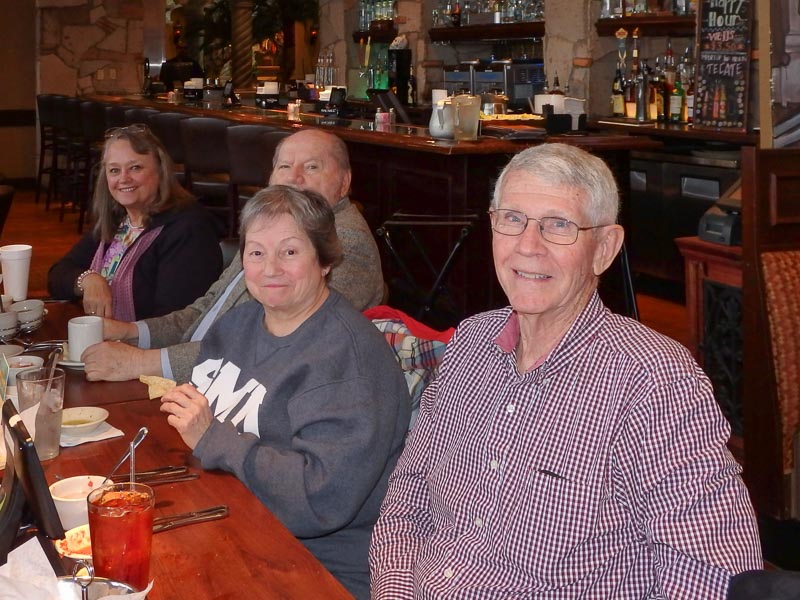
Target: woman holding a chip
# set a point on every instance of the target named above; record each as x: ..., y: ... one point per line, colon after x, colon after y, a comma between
x: 296, y: 392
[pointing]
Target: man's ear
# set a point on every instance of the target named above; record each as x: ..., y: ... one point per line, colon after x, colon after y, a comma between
x: 345, y: 189
x: 609, y: 242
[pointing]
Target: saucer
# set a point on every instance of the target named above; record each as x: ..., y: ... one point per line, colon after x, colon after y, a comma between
x: 71, y: 364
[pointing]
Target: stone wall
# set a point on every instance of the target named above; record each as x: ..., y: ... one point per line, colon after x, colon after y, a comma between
x: 90, y: 46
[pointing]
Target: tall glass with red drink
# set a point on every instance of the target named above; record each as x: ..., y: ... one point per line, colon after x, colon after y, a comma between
x: 121, y: 528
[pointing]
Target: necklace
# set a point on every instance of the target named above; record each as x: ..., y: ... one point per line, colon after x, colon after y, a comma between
x: 131, y: 225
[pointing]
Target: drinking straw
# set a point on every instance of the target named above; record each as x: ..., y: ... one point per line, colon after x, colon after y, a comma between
x: 133, y: 462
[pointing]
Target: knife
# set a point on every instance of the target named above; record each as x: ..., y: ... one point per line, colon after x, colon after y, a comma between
x: 159, y: 476
x: 168, y: 522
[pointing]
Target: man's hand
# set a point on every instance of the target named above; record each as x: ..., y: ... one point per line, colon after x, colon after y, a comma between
x: 96, y: 295
x: 120, y: 330
x: 188, y: 412
x: 117, y: 361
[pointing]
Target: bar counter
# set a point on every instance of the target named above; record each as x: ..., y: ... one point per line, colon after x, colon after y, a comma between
x: 405, y: 169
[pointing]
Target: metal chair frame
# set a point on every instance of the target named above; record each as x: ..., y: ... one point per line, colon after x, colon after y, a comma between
x: 406, y: 222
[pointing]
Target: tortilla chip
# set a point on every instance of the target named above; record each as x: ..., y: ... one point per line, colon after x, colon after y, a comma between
x: 157, y: 386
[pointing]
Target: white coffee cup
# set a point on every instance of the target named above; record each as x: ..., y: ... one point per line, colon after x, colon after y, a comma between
x: 15, y: 260
x: 83, y: 332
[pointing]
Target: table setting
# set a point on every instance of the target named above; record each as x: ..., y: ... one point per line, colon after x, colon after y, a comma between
x: 197, y: 515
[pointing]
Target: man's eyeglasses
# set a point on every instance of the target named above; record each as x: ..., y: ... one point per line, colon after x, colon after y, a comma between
x: 553, y: 229
x: 134, y: 129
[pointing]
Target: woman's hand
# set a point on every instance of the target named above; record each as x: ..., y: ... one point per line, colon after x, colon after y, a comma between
x: 188, y: 412
x: 96, y: 295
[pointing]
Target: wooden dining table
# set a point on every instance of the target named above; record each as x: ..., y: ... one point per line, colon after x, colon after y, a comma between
x: 248, y: 554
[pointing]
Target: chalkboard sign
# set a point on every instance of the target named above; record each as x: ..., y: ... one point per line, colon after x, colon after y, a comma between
x: 723, y: 64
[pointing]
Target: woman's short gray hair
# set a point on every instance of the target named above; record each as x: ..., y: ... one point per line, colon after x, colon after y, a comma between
x: 309, y: 210
x: 562, y: 164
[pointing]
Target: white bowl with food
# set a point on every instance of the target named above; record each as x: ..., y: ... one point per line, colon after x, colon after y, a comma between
x: 21, y: 362
x: 82, y: 420
x: 69, y: 496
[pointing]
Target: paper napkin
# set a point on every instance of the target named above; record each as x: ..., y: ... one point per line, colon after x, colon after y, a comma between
x: 103, y: 432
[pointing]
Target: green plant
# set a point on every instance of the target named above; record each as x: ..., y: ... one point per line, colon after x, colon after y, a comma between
x: 269, y: 17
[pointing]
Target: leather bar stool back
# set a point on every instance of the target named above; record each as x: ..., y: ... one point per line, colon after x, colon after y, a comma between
x: 139, y: 115
x: 166, y: 127
x: 272, y: 140
x: 250, y: 152
x: 115, y: 115
x: 206, y: 165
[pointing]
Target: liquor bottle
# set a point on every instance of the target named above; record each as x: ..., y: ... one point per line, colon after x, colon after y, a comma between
x: 677, y: 104
x: 686, y: 74
x: 556, y: 89
x: 657, y: 84
x: 630, y: 98
x: 618, y: 93
x: 670, y: 70
x: 455, y: 15
x: 690, y: 102
x: 715, y: 102
x: 635, y: 54
x: 653, y: 86
x: 723, y: 103
x: 497, y: 10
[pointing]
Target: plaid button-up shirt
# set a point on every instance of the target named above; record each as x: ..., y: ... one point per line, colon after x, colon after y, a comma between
x: 602, y: 473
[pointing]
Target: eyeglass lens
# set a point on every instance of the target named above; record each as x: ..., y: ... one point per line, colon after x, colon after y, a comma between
x: 553, y: 229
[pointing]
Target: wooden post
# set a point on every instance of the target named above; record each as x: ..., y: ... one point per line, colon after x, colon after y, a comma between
x: 241, y: 43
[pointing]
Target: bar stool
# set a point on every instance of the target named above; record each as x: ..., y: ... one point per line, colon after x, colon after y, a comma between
x: 58, y: 154
x: 166, y: 127
x: 45, y: 107
x: 616, y: 287
x: 115, y: 115
x: 139, y: 115
x: 250, y: 151
x: 205, y: 165
x: 433, y: 303
x: 93, y: 120
x: 78, y: 159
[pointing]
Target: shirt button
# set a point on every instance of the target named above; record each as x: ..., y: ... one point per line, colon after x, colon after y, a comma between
x: 510, y: 409
x: 448, y: 573
x: 478, y: 522
x: 493, y: 464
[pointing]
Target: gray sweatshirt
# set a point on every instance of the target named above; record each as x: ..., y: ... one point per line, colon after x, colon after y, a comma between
x: 312, y: 423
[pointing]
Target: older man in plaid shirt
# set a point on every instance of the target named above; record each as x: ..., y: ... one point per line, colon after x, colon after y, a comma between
x: 563, y: 451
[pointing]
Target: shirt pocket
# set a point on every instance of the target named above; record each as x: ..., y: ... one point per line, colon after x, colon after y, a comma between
x: 554, y: 515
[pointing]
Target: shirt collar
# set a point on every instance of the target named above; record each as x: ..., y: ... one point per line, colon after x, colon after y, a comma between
x: 582, y: 329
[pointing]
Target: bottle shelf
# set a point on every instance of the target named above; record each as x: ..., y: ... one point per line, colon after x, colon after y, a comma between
x: 650, y: 25
x: 493, y: 31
